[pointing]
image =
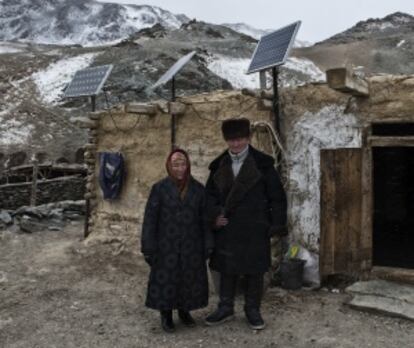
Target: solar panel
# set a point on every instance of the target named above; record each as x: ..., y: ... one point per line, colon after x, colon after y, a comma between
x: 273, y: 48
x: 171, y: 72
x: 88, y: 82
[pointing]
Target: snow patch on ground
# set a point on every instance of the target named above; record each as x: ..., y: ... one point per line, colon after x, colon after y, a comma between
x: 50, y: 82
x: 135, y: 17
x: 380, y: 26
x: 402, y: 42
x: 327, y: 129
x: 7, y: 47
x: 234, y: 71
x: 13, y: 132
x: 306, y: 67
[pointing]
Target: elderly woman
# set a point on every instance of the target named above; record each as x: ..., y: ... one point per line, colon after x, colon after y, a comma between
x: 175, y: 243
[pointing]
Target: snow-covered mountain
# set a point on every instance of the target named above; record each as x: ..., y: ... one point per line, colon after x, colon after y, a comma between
x: 84, y: 22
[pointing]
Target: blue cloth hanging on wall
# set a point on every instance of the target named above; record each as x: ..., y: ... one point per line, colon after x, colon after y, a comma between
x: 111, y: 174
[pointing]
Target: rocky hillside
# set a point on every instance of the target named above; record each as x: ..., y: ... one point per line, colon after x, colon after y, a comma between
x: 373, y: 46
x: 34, y: 117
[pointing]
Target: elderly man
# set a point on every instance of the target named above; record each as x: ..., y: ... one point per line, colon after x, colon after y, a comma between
x: 246, y: 206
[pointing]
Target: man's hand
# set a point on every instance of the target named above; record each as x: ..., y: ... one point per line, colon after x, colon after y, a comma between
x: 221, y: 221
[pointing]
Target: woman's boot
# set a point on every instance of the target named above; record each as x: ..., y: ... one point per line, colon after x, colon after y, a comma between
x: 167, y: 323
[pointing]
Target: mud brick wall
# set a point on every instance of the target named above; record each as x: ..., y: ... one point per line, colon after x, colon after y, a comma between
x: 145, y: 141
x: 314, y: 117
x: 13, y: 196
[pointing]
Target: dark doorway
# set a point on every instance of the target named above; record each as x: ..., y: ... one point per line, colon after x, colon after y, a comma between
x: 393, y: 239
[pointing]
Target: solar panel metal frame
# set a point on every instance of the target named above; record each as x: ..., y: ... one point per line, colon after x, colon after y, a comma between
x: 174, y: 69
x: 289, y: 47
x: 72, y: 91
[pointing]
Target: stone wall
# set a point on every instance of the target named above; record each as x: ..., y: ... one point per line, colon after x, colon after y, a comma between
x: 13, y: 196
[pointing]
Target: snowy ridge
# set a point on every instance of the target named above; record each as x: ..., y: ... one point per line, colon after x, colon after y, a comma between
x: 84, y: 22
x: 234, y: 71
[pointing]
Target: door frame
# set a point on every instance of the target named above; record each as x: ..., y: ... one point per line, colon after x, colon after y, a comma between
x: 383, y: 141
x: 367, y: 269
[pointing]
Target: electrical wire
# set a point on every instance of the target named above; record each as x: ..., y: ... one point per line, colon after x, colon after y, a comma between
x: 113, y: 120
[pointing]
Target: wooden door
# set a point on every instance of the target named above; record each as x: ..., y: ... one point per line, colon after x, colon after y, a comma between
x: 343, y: 243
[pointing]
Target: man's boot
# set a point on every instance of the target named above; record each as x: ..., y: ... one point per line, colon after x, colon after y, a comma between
x: 252, y: 300
x: 225, y: 309
x: 167, y: 323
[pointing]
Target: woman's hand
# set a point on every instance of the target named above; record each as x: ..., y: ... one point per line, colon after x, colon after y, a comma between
x: 221, y: 221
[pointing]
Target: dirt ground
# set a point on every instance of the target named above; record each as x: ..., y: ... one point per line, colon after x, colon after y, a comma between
x: 55, y: 292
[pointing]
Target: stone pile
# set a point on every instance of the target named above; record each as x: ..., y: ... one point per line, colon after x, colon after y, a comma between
x: 44, y: 217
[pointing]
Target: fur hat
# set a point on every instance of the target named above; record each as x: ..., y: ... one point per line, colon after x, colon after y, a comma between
x: 235, y: 128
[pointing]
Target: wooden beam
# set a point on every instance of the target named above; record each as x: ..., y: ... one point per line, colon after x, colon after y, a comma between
x: 342, y: 79
x: 177, y: 108
x: 33, y: 195
x: 381, y: 141
x: 84, y: 122
x: 251, y: 92
x: 401, y: 275
x: 140, y: 108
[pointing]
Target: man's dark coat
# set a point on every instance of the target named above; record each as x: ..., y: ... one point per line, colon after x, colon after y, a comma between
x: 174, y: 231
x: 254, y: 203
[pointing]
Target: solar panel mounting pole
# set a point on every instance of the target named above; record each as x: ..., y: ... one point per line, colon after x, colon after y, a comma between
x: 93, y: 102
x: 276, y: 109
x: 173, y: 118
x: 166, y: 77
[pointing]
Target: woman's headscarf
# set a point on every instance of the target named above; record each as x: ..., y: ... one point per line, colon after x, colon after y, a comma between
x: 181, y: 184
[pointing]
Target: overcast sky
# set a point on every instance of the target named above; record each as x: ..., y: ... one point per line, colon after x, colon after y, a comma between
x: 320, y: 18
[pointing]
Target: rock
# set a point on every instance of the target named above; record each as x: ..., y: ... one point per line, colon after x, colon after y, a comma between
x: 5, y: 218
x: 83, y: 122
x: 38, y: 212
x: 72, y: 215
x: 382, y: 296
x: 54, y: 228
x: 56, y: 214
x: 74, y: 206
x: 29, y: 225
